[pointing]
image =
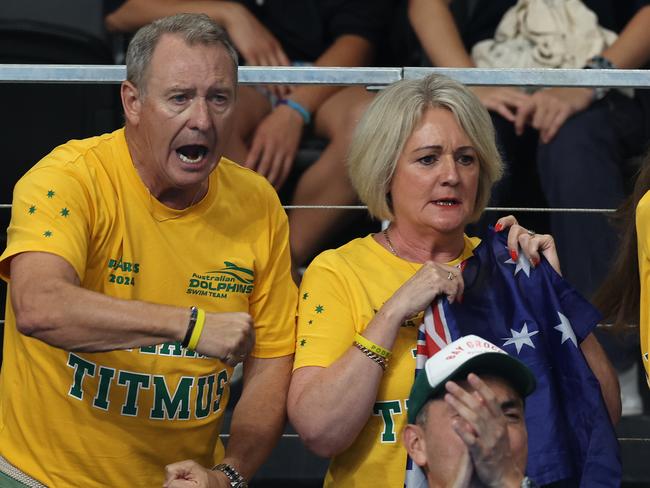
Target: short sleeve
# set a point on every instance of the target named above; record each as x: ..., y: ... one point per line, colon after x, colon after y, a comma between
x: 325, y: 322
x: 50, y: 213
x: 273, y: 302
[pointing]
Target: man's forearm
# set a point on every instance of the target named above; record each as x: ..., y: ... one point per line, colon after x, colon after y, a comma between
x: 259, y: 416
x: 50, y: 305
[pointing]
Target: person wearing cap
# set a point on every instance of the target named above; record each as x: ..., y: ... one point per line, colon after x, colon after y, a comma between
x: 466, y: 417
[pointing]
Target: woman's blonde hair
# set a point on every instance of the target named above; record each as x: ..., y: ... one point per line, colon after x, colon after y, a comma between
x: 390, y: 120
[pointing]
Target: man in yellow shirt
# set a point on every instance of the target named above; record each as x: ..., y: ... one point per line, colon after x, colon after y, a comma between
x: 142, y: 266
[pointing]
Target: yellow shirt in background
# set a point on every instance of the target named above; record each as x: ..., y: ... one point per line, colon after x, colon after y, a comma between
x: 117, y: 418
x: 643, y: 240
x: 339, y: 295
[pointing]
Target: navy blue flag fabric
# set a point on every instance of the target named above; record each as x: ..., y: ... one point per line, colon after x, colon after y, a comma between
x: 536, y: 316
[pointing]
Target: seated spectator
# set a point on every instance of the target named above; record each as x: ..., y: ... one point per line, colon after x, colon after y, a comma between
x: 466, y: 417
x: 270, y: 123
x: 424, y: 158
x: 580, y: 138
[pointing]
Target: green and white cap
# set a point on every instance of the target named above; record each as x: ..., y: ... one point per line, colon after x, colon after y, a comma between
x: 469, y: 354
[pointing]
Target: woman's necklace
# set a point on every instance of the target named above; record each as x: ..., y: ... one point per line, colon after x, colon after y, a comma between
x: 390, y: 244
x: 395, y: 253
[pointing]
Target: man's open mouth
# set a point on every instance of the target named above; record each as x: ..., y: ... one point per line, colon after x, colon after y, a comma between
x: 192, y: 153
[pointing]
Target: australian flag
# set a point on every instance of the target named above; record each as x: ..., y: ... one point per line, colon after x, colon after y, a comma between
x: 536, y: 316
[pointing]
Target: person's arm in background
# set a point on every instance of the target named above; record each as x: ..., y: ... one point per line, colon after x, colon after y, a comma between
x: 276, y: 139
x: 438, y: 34
x: 254, y: 41
x: 554, y: 106
x: 605, y: 374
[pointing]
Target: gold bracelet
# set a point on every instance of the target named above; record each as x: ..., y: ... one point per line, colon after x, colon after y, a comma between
x: 381, y: 361
x: 198, y: 329
x: 368, y: 344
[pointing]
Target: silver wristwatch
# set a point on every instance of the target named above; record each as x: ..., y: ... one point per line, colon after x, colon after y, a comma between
x: 236, y: 479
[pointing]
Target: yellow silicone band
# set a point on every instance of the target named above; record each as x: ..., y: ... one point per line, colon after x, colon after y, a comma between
x: 198, y: 329
x: 368, y: 344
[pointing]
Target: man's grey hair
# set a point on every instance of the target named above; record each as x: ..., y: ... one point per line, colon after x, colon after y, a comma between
x: 192, y: 28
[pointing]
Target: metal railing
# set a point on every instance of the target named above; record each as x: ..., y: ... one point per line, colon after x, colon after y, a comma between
x: 309, y: 75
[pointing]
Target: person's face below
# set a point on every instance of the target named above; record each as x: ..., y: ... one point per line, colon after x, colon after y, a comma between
x: 444, y: 452
x: 436, y: 178
x: 185, y: 116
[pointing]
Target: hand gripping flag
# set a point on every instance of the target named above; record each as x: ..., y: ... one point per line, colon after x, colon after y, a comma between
x: 536, y: 316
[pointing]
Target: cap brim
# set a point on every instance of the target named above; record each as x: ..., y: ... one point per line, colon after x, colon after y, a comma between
x: 516, y: 373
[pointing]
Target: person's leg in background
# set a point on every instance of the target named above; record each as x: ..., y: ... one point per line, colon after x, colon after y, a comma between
x: 326, y: 181
x: 583, y: 166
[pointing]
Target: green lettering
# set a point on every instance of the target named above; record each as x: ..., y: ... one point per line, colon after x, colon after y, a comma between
x: 202, y: 411
x: 194, y: 283
x: 222, y: 381
x: 81, y: 369
x: 149, y: 349
x: 136, y: 267
x: 111, y: 264
x: 387, y: 410
x: 127, y: 267
x: 221, y: 286
x: 133, y: 382
x: 171, y: 349
x: 105, y: 377
x: 176, y: 407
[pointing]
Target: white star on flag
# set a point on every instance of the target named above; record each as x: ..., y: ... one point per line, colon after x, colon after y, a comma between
x: 567, y: 331
x: 521, y: 338
x: 521, y: 264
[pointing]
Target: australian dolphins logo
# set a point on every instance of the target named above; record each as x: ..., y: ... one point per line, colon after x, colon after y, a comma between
x: 231, y: 269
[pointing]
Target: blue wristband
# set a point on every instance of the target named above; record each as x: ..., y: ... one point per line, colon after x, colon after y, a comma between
x: 306, y: 116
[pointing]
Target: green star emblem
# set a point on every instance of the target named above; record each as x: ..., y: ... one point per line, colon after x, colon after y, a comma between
x: 32, y: 210
x: 47, y: 233
x: 64, y: 212
x: 50, y: 194
x: 305, y: 296
x: 303, y: 342
x: 319, y: 309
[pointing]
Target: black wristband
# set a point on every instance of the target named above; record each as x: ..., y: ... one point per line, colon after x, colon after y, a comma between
x: 194, y: 312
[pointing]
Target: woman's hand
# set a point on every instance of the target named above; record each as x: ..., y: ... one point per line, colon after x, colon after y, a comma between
x: 531, y: 244
x: 431, y: 280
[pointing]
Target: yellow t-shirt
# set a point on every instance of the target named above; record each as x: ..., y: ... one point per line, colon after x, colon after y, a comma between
x: 340, y: 293
x: 116, y: 418
x: 643, y: 240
